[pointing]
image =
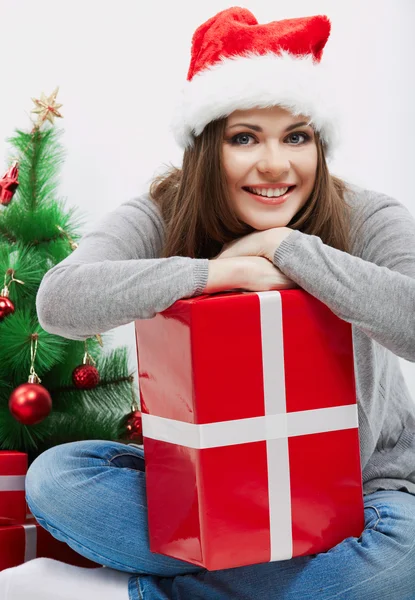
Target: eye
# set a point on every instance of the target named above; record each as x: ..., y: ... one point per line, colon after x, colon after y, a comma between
x: 302, y: 134
x: 239, y: 136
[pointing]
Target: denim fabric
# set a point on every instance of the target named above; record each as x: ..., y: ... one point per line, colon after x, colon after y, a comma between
x: 92, y: 496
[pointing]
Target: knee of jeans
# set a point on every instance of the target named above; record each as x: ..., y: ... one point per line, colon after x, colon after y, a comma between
x: 49, y: 475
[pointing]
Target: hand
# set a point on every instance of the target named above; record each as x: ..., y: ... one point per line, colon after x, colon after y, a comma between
x: 259, y: 243
x: 258, y: 274
x: 250, y: 273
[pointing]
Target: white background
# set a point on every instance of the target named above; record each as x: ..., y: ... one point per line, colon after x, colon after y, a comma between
x: 120, y: 65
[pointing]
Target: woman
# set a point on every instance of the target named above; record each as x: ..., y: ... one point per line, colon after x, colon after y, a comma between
x: 254, y: 207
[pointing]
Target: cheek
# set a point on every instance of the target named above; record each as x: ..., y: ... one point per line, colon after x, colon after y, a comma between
x: 235, y: 164
x: 307, y: 168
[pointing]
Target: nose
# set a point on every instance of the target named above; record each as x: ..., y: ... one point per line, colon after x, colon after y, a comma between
x: 273, y: 161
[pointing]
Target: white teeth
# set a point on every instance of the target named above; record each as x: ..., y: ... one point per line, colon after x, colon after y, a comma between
x: 270, y: 193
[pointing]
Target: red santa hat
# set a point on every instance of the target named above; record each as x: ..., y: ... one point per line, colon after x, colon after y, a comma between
x: 238, y: 64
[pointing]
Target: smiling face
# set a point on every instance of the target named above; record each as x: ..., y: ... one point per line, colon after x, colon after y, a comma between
x: 263, y: 148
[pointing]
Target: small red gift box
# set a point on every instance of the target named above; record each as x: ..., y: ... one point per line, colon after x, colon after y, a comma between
x: 13, y: 469
x: 250, y: 428
x: 22, y: 542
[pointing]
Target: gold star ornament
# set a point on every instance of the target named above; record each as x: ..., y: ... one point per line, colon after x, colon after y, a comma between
x: 47, y: 108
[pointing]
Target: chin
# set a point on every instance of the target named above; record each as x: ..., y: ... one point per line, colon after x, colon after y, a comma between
x: 263, y: 222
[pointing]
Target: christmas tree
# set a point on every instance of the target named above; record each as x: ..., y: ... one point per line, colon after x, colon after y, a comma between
x: 52, y: 390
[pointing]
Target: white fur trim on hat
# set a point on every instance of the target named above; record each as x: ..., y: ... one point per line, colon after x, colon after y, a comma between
x: 296, y: 83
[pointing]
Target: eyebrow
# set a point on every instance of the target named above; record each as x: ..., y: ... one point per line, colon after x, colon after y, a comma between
x: 258, y: 128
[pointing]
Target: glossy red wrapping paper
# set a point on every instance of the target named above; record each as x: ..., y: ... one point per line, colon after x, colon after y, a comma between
x: 13, y: 468
x: 204, y: 361
x: 25, y: 541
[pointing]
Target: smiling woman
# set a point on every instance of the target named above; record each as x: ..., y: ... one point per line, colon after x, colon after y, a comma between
x: 205, y: 204
x: 272, y: 175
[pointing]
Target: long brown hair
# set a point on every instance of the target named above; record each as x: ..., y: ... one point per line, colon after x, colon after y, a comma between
x: 199, y: 219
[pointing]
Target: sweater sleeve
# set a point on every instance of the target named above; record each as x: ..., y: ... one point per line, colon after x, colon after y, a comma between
x: 374, y: 290
x: 115, y: 277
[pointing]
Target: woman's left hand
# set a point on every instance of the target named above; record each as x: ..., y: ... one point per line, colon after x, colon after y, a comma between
x: 259, y: 243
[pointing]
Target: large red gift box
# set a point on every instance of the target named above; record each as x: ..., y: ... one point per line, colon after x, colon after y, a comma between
x: 250, y: 428
x: 13, y: 468
x: 22, y: 542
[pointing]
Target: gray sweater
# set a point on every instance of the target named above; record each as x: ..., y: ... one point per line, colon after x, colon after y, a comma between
x: 115, y: 277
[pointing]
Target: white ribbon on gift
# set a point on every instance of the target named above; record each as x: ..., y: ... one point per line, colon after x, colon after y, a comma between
x: 275, y: 427
x: 30, y: 532
x: 12, y: 483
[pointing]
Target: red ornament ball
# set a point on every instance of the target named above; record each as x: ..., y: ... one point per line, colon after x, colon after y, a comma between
x: 30, y: 403
x: 85, y: 377
x: 6, y: 307
x: 134, y: 427
x: 8, y: 184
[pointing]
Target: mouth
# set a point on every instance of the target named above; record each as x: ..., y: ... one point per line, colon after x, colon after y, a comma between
x: 272, y: 200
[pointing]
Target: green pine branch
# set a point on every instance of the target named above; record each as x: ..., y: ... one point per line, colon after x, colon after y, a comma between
x: 88, y: 414
x: 36, y: 232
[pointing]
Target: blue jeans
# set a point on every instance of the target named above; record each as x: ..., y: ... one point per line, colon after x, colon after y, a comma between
x: 92, y: 496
